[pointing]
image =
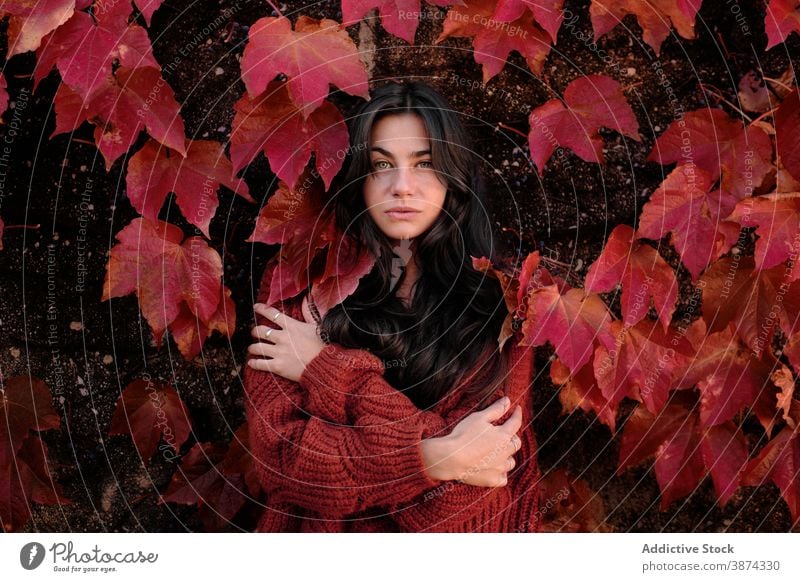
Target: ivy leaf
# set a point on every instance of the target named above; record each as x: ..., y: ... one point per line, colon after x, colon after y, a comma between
x: 200, y: 481
x: 729, y: 377
x: 316, y: 54
x: 291, y: 213
x: 643, y: 363
x: 570, y: 322
x: 85, y: 48
x: 24, y: 479
x: 32, y: 20
x: 25, y: 405
x: 592, y: 102
x: 777, y: 218
x: 273, y: 124
x: 190, y: 332
x: 779, y: 462
x: 155, y: 171
x: 572, y: 505
x: 787, y: 131
x: 582, y: 390
x: 399, y: 17
x: 781, y: 20
x: 167, y: 275
x: 734, y: 291
x: 654, y: 17
x: 685, y: 452
x: 643, y: 273
x: 346, y: 263
x: 149, y: 411
x: 120, y: 109
x: 549, y: 14
x: 492, y: 43
x: 684, y: 206
x: 714, y: 142
x: 3, y: 97
x: 148, y: 8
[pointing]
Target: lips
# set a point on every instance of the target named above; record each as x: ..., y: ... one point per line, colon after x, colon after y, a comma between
x: 402, y: 213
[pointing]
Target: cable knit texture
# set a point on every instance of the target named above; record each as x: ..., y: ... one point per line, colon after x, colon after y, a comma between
x: 340, y: 450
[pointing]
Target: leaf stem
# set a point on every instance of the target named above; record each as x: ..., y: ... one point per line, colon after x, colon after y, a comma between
x: 509, y: 128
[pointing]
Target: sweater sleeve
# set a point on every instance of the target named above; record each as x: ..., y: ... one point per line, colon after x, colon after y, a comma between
x: 336, y: 462
x: 450, y: 505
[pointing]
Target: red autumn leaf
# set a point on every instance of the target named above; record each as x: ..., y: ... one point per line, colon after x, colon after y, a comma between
x: 643, y: 273
x: 166, y: 275
x: 147, y: 8
x: 3, y: 100
x: 729, y: 377
x: 568, y: 504
x: 346, y: 263
x: 24, y: 479
x: 590, y: 102
x: 25, y: 405
x: 155, y: 171
x: 779, y: 462
x: 654, y: 17
x: 316, y: 54
x: 792, y: 351
x: 493, y: 41
x: 32, y: 20
x: 85, y: 48
x: 239, y: 460
x: 190, y: 332
x: 787, y: 131
x: 150, y: 411
x: 714, y: 142
x: 581, y: 390
x: 399, y: 17
x: 756, y: 301
x: 684, y: 206
x: 781, y: 20
x: 784, y: 380
x: 548, y: 13
x: 777, y: 218
x: 685, y: 452
x: 570, y: 322
x: 644, y: 363
x: 120, y: 109
x: 200, y: 481
x: 273, y: 124
x: 293, y: 213
x: 512, y: 290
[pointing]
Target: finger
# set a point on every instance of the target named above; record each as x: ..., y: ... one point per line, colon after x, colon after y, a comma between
x: 260, y: 349
x: 260, y: 364
x: 514, y: 422
x: 497, y: 409
x: 264, y: 332
x: 510, y: 464
x: 271, y: 313
x: 501, y: 481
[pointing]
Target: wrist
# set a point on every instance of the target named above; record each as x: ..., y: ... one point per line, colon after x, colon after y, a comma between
x: 437, y: 456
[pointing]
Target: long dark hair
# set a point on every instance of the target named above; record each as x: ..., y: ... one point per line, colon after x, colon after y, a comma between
x: 456, y: 313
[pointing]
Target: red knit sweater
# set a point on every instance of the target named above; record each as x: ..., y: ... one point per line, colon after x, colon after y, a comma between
x: 339, y: 451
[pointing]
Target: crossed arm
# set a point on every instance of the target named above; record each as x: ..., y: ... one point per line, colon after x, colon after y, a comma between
x: 341, y: 439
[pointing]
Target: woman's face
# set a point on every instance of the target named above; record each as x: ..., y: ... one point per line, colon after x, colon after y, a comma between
x: 402, y: 176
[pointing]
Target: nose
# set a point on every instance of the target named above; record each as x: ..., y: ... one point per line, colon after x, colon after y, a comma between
x: 402, y: 181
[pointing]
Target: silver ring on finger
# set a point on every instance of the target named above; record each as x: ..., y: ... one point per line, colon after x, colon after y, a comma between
x: 269, y: 331
x: 276, y: 316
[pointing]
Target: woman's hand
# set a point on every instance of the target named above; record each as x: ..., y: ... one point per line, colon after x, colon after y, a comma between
x: 477, y: 452
x: 285, y: 351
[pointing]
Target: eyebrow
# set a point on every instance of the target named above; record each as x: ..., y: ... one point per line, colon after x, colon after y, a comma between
x: 418, y: 154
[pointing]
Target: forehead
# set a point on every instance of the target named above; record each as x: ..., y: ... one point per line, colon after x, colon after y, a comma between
x: 401, y: 133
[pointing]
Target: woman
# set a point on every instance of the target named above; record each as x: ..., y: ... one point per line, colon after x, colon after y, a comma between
x: 398, y: 421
